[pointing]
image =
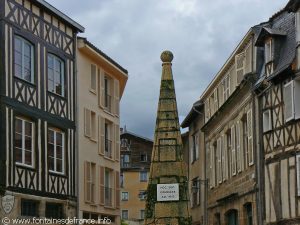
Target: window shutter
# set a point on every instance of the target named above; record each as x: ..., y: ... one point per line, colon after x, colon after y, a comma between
x: 216, y: 100
x: 101, y: 135
x: 117, y: 175
x: 212, y: 178
x: 117, y: 97
x: 248, y: 58
x: 101, y: 89
x: 93, y: 77
x: 101, y: 185
x: 298, y: 174
x: 240, y: 66
x: 296, y: 96
x: 219, y: 163
x: 288, y: 101
x: 233, y: 155
x: 197, y: 145
x: 238, y: 147
x: 267, y: 121
x: 224, y: 159
x: 250, y: 137
x: 87, y: 122
x: 117, y: 142
x: 87, y: 177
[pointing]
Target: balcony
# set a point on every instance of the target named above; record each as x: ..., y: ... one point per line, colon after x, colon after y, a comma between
x: 108, y: 196
x: 108, y: 148
x: 108, y: 102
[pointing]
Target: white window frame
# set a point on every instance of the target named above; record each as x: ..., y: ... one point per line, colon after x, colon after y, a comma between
x: 298, y: 173
x: 142, y: 193
x: 269, y: 51
x: 141, y: 176
x: 63, y: 151
x: 267, y: 121
x: 250, y: 138
x: 91, y: 182
x: 56, y: 59
x: 125, y: 210
x: 238, y: 147
x: 233, y: 151
x: 226, y: 87
x: 23, y: 42
x: 125, y: 193
x: 219, y: 161
x: 23, y: 163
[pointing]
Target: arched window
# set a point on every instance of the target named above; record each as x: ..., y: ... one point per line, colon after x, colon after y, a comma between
x: 23, y: 59
x: 56, y: 79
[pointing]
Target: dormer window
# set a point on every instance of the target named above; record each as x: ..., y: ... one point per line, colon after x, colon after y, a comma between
x: 268, y: 51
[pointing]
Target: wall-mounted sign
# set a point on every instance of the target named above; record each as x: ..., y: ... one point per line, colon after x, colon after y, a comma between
x: 7, y: 202
x: 167, y: 192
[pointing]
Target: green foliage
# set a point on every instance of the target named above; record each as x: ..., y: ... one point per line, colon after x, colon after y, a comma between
x: 123, y: 222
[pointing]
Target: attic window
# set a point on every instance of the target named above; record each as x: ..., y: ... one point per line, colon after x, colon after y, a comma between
x: 268, y: 51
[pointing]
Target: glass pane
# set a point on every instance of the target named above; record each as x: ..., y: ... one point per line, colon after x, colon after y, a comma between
x: 27, y: 62
x: 28, y: 128
x: 51, y: 136
x: 18, y: 155
x: 28, y: 143
x: 27, y: 75
x: 50, y: 74
x: 18, y: 140
x: 58, y: 89
x: 28, y: 155
x: 58, y: 152
x: 27, y: 49
x: 18, y: 71
x: 59, y: 139
x: 57, y: 65
x: 17, y: 44
x: 59, y: 165
x: 51, y: 150
x: 51, y: 85
x: 50, y: 62
x: 51, y: 163
x: 18, y: 126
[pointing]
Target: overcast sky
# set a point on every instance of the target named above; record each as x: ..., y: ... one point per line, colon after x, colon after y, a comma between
x: 200, y: 33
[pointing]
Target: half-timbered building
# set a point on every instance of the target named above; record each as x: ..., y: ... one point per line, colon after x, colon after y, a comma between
x: 37, y: 116
x: 278, y: 91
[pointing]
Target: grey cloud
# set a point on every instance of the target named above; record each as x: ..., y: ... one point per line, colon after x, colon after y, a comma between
x: 201, y: 33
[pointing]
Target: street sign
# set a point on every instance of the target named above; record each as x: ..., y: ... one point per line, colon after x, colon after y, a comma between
x: 167, y: 192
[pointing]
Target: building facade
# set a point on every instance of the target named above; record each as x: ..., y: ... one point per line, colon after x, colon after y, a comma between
x: 101, y: 82
x: 135, y: 165
x: 38, y: 102
x: 278, y: 93
x: 194, y: 149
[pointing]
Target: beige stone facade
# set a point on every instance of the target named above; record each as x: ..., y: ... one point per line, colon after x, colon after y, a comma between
x: 101, y: 83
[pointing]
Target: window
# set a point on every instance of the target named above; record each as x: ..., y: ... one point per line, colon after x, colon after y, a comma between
x: 245, y: 140
x: 267, y: 123
x: 217, y: 219
x: 142, y: 214
x: 291, y: 106
x: 125, y: 214
x: 121, y: 180
x: 87, y: 215
x: 107, y: 187
x: 90, y: 124
x: 108, y: 142
x: 29, y: 208
x: 248, y: 213
x: 107, y: 93
x: 142, y: 195
x: 24, y: 59
x: 216, y: 100
x: 143, y: 176
x: 56, y: 80
x: 213, y: 150
x: 250, y: 138
x: 219, y: 161
x: 228, y: 149
x: 125, y: 196
x: 54, y: 211
x: 224, y: 159
x: 143, y: 157
x: 268, y: 51
x: 238, y: 147
x: 24, y: 142
x: 56, y: 142
x: 125, y: 161
x: 232, y: 217
x: 93, y: 85
x: 195, y: 192
x: 90, y: 181
x: 195, y: 147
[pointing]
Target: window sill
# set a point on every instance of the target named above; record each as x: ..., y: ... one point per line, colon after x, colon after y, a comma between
x: 108, y: 112
x: 57, y: 95
x: 109, y: 207
x: 108, y: 158
x: 56, y: 173
x: 25, y: 165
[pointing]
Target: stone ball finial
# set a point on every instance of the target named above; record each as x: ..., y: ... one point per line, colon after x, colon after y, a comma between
x: 166, y: 56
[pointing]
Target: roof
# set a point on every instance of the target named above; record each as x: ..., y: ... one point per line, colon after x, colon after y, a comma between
x: 285, y: 48
x: 265, y: 32
x: 103, y: 54
x: 61, y: 15
x: 194, y: 112
x: 292, y: 6
x: 136, y: 135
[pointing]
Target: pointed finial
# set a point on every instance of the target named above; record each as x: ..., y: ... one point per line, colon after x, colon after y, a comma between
x: 166, y: 56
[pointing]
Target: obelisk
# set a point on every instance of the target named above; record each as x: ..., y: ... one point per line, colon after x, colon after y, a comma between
x: 167, y: 193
